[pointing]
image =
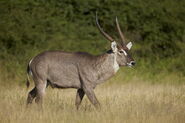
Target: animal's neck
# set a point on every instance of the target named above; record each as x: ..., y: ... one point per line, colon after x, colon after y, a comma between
x: 108, y: 60
x: 106, y: 66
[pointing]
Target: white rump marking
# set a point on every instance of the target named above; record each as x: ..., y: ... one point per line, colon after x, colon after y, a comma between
x: 30, y: 62
x: 30, y: 72
x: 129, y: 45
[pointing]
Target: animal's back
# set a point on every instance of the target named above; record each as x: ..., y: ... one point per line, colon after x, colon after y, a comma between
x: 60, y: 68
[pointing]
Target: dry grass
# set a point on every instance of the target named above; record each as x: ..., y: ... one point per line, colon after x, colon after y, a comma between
x: 126, y: 103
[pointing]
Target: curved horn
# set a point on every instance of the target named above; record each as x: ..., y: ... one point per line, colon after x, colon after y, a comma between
x: 120, y: 32
x: 101, y: 30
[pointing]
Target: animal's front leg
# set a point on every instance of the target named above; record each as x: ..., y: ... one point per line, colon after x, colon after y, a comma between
x: 91, y: 96
x: 79, y: 96
x: 88, y: 86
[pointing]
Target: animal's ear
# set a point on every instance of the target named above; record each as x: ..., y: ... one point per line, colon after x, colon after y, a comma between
x: 129, y: 45
x: 114, y: 46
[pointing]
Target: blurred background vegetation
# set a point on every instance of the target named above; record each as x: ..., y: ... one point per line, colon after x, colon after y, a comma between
x: 156, y: 28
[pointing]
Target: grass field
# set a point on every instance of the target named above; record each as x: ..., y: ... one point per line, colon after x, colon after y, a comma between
x: 121, y: 103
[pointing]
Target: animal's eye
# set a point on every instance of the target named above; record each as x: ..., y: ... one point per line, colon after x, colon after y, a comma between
x: 121, y: 51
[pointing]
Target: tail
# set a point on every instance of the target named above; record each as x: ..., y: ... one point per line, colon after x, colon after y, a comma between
x: 28, y: 78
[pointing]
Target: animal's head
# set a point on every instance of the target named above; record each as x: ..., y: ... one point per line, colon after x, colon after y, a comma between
x: 120, y: 49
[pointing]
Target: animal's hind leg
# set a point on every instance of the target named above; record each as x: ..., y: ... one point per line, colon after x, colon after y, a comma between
x: 79, y: 96
x: 31, y: 95
x: 41, y: 86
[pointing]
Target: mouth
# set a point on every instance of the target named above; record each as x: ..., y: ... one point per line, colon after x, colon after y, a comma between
x: 131, y: 64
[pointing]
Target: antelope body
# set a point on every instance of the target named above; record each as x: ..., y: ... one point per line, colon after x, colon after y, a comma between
x: 79, y: 70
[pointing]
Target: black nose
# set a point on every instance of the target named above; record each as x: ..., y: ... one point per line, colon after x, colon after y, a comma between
x: 133, y: 63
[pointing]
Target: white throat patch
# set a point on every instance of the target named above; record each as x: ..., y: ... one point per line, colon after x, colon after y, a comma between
x: 115, y: 64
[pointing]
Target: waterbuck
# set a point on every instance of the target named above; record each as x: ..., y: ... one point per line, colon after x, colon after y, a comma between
x: 78, y: 70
